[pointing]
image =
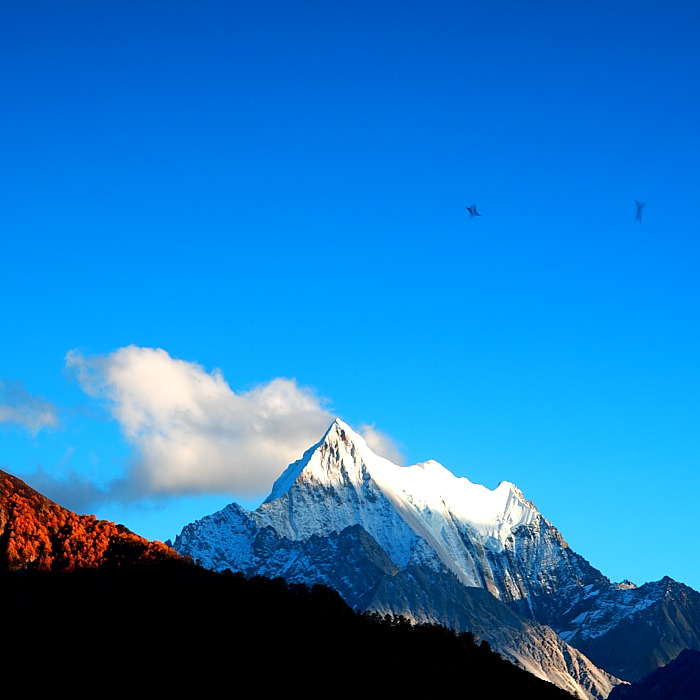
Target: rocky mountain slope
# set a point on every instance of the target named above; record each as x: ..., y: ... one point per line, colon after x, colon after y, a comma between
x: 410, y: 540
x: 628, y: 630
x: 418, y: 541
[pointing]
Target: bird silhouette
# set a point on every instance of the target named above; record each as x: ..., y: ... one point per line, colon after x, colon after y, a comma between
x: 472, y: 211
x: 640, y: 206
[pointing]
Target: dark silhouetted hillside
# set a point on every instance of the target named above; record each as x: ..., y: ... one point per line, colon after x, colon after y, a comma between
x: 91, y: 608
x: 170, y: 625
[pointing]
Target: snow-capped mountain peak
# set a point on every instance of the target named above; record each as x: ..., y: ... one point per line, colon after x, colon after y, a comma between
x: 353, y: 519
x: 340, y: 446
x: 421, y: 542
x: 427, y: 494
x: 341, y: 482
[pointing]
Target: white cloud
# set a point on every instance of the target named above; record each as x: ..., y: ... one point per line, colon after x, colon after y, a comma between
x: 20, y: 407
x: 191, y: 432
x: 380, y: 443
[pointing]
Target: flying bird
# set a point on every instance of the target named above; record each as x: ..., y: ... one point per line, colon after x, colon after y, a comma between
x: 640, y: 206
x: 473, y: 211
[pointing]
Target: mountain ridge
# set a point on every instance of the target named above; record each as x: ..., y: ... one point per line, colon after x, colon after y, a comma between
x: 417, y: 517
x: 121, y: 615
x: 421, y: 518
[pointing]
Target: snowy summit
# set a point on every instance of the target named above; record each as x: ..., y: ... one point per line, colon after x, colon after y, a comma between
x: 416, y: 540
x: 417, y: 514
x: 434, y: 503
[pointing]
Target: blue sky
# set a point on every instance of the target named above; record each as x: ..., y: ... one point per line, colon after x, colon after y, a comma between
x: 264, y: 203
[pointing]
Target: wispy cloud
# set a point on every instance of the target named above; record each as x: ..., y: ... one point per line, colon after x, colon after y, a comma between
x: 71, y: 489
x: 20, y: 407
x: 381, y: 444
x: 191, y: 433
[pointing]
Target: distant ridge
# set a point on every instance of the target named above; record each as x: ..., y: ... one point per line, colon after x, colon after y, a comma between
x: 679, y: 680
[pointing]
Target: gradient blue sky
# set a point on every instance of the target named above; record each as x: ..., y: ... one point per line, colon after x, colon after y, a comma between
x: 278, y: 190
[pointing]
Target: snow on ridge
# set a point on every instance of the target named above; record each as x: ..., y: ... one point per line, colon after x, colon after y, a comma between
x: 430, y: 487
x: 427, y: 492
x: 341, y: 482
x: 420, y: 515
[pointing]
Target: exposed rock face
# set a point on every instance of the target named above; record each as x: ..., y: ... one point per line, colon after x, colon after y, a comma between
x: 627, y: 630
